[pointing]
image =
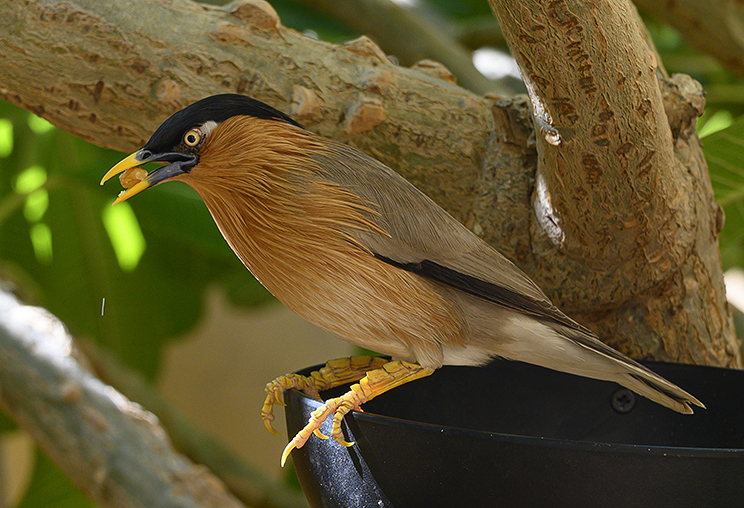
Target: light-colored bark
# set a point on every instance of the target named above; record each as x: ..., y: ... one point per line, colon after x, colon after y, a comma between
x: 402, y: 32
x: 626, y: 242
x: 625, y: 225
x: 110, y: 72
x: 635, y: 234
x: 248, y: 484
x: 110, y: 447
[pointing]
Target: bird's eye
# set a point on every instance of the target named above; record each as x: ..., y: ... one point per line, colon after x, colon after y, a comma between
x: 192, y: 138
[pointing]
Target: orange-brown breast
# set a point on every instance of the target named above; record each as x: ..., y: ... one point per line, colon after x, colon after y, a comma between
x: 290, y: 226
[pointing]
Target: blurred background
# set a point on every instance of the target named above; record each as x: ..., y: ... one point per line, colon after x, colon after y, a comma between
x: 153, y: 282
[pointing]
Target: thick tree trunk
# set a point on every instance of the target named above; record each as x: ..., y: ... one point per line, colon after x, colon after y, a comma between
x: 110, y: 72
x: 625, y: 227
x: 714, y: 27
x: 615, y: 218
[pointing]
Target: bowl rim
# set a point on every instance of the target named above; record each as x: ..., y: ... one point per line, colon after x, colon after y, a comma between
x: 527, y: 440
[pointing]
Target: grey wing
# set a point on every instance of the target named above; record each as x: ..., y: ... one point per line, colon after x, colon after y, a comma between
x: 425, y: 239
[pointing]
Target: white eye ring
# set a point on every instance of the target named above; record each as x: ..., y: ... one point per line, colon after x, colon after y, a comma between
x: 192, y: 138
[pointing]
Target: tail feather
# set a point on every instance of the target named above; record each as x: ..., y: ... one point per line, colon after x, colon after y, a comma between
x: 665, y: 393
x: 578, y: 351
x: 636, y: 377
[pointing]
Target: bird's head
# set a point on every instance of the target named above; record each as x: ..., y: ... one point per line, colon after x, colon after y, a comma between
x: 180, y: 140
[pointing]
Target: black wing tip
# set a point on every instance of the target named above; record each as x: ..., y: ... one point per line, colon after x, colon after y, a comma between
x: 494, y: 293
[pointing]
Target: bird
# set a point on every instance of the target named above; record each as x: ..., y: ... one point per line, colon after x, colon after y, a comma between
x: 350, y: 245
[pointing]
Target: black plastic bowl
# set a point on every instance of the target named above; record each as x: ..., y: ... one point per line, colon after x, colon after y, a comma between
x: 515, y: 435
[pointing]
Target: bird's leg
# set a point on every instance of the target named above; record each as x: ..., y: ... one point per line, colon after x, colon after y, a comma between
x: 391, y: 375
x: 335, y: 373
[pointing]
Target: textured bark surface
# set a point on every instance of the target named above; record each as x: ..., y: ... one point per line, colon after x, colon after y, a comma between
x: 110, y: 72
x: 410, y: 37
x: 622, y: 201
x: 608, y: 205
x: 616, y: 222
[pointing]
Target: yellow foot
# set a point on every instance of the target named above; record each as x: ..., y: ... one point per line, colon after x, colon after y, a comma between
x: 334, y: 373
x: 375, y: 382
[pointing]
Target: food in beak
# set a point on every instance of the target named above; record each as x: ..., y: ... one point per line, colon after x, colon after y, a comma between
x: 132, y: 177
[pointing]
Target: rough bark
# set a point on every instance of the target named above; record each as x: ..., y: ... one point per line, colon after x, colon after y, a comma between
x: 633, y: 248
x: 620, y: 228
x: 625, y: 224
x: 110, y: 72
x: 115, y: 451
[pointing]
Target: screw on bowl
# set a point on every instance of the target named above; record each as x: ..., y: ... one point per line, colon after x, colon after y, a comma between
x: 623, y: 400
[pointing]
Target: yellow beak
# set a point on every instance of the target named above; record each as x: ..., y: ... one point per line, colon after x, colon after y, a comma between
x: 177, y: 164
x: 127, y: 163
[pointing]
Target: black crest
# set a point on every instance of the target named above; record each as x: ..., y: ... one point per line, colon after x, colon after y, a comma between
x: 217, y: 108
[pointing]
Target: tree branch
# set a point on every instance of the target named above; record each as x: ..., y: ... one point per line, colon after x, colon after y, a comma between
x: 620, y: 197
x: 402, y: 32
x: 714, y: 27
x: 617, y: 221
x: 111, y: 72
x: 111, y: 448
x: 250, y: 486
x: 478, y: 32
x: 634, y: 253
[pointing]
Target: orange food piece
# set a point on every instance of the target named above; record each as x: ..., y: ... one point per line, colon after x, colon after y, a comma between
x: 132, y: 177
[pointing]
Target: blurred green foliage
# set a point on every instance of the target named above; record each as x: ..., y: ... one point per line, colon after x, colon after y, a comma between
x: 723, y: 149
x: 129, y: 280
x: 133, y: 277
x: 50, y: 488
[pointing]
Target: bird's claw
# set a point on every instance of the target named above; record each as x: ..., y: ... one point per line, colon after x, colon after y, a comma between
x: 334, y: 373
x: 274, y: 395
x: 373, y: 383
x: 338, y: 407
x: 267, y: 419
x: 375, y: 376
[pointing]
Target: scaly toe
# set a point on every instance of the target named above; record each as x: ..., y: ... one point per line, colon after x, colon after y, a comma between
x: 345, y: 443
x: 319, y: 434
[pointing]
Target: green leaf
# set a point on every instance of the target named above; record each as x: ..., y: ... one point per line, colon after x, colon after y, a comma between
x: 724, y: 151
x: 6, y: 137
x: 50, y: 488
x: 125, y: 234
x: 714, y: 122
